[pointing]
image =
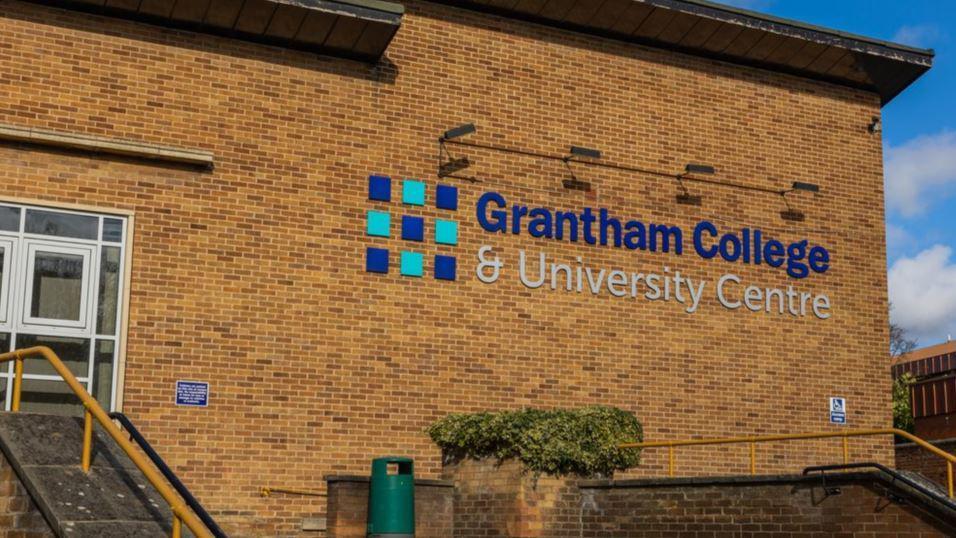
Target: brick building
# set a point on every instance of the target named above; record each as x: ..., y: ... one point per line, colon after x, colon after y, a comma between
x: 250, y: 196
x: 933, y: 392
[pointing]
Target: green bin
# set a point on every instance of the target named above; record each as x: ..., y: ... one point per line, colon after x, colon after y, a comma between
x: 391, y: 498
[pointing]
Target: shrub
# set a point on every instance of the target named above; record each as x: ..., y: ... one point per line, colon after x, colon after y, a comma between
x: 902, y: 409
x: 581, y: 442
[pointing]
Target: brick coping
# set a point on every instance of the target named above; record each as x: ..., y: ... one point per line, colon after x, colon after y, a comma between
x: 724, y: 480
x: 934, y: 442
x: 365, y: 479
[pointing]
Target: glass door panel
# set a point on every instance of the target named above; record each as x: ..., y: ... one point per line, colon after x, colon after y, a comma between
x: 74, y: 352
x: 49, y: 397
x: 6, y: 266
x: 57, y: 290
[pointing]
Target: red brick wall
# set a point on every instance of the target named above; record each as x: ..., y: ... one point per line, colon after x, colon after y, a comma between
x: 771, y: 511
x: 19, y: 515
x: 499, y: 499
x: 910, y: 457
x: 251, y: 276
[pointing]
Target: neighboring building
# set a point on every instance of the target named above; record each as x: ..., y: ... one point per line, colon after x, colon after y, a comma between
x: 246, y: 194
x: 934, y: 392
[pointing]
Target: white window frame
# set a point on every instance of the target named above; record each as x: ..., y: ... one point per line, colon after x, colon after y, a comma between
x: 67, y: 327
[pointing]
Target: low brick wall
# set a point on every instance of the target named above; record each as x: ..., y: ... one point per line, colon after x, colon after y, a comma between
x: 19, y: 515
x: 347, y: 509
x: 488, y: 499
x: 910, y: 457
x: 769, y: 507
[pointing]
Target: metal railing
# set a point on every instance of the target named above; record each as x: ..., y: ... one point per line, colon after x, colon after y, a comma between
x: 895, y: 476
x: 171, y: 477
x: 268, y: 491
x: 92, y: 410
x: 753, y: 441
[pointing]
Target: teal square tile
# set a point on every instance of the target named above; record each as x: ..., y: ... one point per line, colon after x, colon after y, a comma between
x: 446, y: 232
x: 412, y: 263
x: 413, y: 192
x: 379, y: 223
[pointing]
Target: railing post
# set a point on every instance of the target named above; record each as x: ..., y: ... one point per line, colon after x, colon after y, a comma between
x: 949, y: 477
x: 177, y: 527
x: 670, y: 461
x: 87, y: 439
x: 17, y: 383
x: 753, y: 458
x: 846, y: 449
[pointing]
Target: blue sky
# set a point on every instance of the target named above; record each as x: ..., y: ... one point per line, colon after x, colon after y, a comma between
x: 919, y: 134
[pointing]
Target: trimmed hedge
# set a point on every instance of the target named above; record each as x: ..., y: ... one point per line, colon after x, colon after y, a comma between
x: 581, y: 442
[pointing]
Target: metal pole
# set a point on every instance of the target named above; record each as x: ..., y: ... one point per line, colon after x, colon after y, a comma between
x: 17, y: 383
x: 177, y: 527
x: 670, y: 462
x: 846, y: 449
x: 949, y: 477
x: 87, y: 439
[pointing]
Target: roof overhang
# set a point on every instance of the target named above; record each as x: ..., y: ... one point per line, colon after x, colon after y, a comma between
x: 359, y: 29
x: 729, y: 34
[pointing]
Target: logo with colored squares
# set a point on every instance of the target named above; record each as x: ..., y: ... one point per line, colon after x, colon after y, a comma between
x: 414, y: 229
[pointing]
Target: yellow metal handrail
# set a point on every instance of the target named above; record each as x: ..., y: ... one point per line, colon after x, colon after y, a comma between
x: 181, y: 514
x: 268, y: 491
x: 754, y: 440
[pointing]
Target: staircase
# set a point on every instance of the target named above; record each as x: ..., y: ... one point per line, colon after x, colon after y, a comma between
x: 113, y: 499
x: 106, y: 489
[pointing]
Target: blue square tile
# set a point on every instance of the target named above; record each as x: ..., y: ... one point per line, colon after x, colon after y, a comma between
x: 380, y: 188
x: 413, y: 192
x: 378, y: 224
x: 412, y: 263
x: 445, y: 267
x: 446, y: 197
x: 413, y: 228
x: 446, y: 232
x: 376, y: 260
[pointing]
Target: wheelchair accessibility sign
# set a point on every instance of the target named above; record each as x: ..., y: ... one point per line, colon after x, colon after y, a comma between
x: 837, y: 410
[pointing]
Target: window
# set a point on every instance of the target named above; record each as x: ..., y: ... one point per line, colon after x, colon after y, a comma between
x: 61, y: 286
x: 57, y: 285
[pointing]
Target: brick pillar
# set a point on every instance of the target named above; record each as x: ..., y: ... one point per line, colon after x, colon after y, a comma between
x: 493, y: 499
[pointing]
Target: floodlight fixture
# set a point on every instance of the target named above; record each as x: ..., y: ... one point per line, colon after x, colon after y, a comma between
x: 702, y: 169
x: 459, y: 131
x: 587, y: 153
x: 808, y: 187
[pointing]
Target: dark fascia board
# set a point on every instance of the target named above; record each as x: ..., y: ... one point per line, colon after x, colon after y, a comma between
x: 893, y: 66
x: 792, y: 28
x: 386, y: 15
x: 377, y: 10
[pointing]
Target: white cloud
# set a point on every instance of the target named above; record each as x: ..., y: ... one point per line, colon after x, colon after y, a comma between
x: 920, y: 35
x: 921, y: 168
x: 897, y: 237
x: 923, y: 294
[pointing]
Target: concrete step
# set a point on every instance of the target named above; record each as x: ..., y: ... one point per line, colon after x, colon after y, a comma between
x: 113, y: 500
